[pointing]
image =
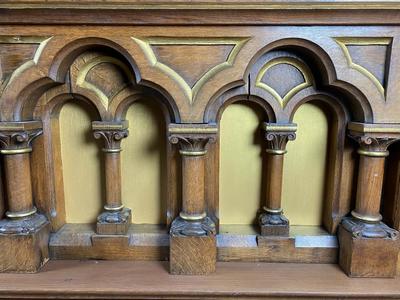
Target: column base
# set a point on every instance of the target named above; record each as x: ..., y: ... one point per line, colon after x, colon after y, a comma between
x: 24, y: 244
x: 368, y: 249
x: 273, y: 224
x: 193, y: 249
x: 114, y: 222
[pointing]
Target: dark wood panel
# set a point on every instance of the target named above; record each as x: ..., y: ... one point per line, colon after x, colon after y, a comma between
x: 38, y: 16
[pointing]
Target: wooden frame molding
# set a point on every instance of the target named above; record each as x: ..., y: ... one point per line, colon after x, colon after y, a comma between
x: 193, y: 60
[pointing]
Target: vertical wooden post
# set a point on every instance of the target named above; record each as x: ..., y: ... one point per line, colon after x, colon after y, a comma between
x: 192, y: 234
x: 368, y: 247
x: 272, y: 220
x: 24, y: 234
x: 115, y: 219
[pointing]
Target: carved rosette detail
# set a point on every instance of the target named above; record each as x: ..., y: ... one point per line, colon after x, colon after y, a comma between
x: 112, y: 138
x: 14, y: 140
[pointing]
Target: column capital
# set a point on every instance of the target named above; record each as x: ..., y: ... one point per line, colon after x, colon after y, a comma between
x: 16, y: 137
x: 374, y: 139
x: 192, y: 138
x: 277, y: 135
x: 112, y: 133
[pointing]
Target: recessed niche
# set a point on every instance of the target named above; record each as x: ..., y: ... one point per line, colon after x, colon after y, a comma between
x: 81, y: 164
x: 305, y: 167
x: 240, y: 164
x: 144, y: 179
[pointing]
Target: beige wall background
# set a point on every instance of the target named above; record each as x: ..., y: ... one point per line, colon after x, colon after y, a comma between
x: 143, y: 165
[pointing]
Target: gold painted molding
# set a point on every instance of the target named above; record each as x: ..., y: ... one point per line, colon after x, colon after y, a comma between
x: 374, y: 128
x: 275, y: 127
x: 100, y: 125
x: 20, y: 125
x: 145, y: 44
x: 343, y: 42
x: 299, y: 65
x: 41, y: 40
x: 192, y: 129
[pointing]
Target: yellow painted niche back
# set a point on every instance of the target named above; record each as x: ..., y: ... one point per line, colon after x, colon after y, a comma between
x: 144, y: 166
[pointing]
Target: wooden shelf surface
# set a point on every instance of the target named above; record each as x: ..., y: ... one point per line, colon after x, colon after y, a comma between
x: 205, y: 4
x: 151, y: 280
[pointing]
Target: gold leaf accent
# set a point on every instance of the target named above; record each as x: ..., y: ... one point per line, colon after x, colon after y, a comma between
x: 343, y: 42
x: 300, y: 66
x: 146, y: 42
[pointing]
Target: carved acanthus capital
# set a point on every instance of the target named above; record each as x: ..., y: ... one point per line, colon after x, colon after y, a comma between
x: 192, y: 138
x: 277, y: 136
x: 16, y: 137
x: 374, y: 139
x: 112, y: 134
x: 372, y: 146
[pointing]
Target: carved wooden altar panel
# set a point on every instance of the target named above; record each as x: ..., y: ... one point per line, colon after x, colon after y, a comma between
x: 194, y: 73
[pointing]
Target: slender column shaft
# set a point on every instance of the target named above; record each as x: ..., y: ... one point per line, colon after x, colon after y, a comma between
x: 24, y: 234
x: 368, y: 247
x: 373, y: 144
x: 112, y: 133
x: 16, y: 138
x: 18, y: 183
x: 192, y: 140
x: 193, y: 202
x: 274, y: 177
x: 271, y: 220
x: 115, y: 219
x: 369, y: 187
x: 113, y: 179
x: 193, y: 248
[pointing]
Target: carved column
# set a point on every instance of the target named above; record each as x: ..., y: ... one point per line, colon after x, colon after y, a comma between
x: 24, y: 233
x: 272, y: 220
x: 368, y: 247
x: 192, y: 234
x: 115, y: 219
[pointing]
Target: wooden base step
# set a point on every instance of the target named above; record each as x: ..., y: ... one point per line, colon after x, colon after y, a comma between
x: 151, y: 280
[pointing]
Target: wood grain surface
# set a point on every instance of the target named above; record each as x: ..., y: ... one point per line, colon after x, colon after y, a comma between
x: 150, y: 280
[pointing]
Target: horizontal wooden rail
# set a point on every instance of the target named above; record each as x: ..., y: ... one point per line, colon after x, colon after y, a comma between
x: 150, y: 280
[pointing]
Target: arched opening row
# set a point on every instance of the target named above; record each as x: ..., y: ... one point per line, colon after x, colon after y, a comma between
x: 241, y: 183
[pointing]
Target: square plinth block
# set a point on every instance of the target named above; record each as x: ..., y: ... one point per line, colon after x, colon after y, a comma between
x: 24, y: 252
x: 192, y: 255
x: 275, y: 230
x: 367, y: 257
x: 110, y: 222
